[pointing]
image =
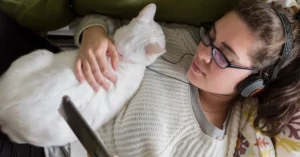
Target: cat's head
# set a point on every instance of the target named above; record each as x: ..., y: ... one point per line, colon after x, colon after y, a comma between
x: 142, y: 40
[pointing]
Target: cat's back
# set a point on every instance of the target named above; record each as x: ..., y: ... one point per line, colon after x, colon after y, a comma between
x: 36, y: 93
x: 38, y: 74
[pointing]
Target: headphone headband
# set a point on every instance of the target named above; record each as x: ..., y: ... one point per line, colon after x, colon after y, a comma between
x: 254, y: 84
x: 288, y: 44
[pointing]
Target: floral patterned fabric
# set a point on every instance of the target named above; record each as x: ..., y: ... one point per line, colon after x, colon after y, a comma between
x: 291, y: 6
x: 252, y: 143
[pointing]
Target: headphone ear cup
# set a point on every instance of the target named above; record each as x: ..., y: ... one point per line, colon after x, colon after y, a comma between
x: 251, y: 86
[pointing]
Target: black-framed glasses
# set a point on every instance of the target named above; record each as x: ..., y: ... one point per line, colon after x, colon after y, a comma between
x: 218, y: 56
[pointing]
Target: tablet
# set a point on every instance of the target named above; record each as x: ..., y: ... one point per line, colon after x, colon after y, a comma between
x: 81, y: 129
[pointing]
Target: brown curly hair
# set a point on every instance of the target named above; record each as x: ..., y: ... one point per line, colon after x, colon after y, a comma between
x: 279, y: 102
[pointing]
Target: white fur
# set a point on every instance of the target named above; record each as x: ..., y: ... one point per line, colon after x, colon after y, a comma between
x: 33, y: 87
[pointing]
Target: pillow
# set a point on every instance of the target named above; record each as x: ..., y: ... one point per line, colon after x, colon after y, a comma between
x: 291, y: 6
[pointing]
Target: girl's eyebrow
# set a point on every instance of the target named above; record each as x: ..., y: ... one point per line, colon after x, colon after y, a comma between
x: 226, y: 46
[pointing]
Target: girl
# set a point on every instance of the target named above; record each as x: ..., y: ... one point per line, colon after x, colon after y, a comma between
x: 190, y: 101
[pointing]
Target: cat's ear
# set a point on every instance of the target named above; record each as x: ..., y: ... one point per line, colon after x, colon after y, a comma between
x: 147, y: 13
x: 152, y: 49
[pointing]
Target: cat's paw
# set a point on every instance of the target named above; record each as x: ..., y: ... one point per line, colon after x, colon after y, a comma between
x: 13, y: 135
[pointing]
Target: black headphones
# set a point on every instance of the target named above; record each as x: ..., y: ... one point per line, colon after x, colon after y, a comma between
x: 256, y: 83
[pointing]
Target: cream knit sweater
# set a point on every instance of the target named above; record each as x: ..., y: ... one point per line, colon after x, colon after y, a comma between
x: 159, y: 120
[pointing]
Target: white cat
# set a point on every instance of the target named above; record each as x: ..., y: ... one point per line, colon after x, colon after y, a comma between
x: 32, y: 89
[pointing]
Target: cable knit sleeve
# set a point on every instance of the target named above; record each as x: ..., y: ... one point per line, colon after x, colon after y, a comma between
x: 109, y: 25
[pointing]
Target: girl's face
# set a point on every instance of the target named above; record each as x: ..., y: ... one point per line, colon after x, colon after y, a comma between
x: 233, y: 37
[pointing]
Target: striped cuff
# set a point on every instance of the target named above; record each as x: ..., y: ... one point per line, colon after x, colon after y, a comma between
x: 88, y: 21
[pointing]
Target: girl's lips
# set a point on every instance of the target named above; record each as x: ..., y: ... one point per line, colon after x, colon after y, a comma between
x: 196, y: 69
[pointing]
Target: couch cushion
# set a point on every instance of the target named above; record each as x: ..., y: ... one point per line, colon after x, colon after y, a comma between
x: 182, y: 11
x: 39, y: 15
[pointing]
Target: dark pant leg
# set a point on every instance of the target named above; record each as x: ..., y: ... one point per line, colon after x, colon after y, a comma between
x: 16, y: 41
